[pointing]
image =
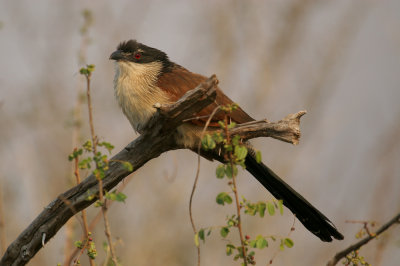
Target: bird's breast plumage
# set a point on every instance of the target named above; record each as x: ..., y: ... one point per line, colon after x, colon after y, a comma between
x: 135, y: 87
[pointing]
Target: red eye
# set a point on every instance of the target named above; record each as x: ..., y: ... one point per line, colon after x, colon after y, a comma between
x: 137, y: 56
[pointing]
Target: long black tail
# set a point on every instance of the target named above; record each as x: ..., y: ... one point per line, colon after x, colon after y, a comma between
x: 309, y: 216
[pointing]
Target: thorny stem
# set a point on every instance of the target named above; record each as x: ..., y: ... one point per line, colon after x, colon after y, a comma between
x: 104, y: 207
x: 291, y: 230
x: 77, y: 121
x: 96, y: 219
x: 197, y: 178
x: 84, y: 217
x: 239, y: 223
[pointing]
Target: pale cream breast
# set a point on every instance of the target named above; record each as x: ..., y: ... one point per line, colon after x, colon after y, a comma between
x: 135, y: 87
x: 136, y: 90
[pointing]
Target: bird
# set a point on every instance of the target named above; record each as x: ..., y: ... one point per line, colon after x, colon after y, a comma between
x: 145, y: 76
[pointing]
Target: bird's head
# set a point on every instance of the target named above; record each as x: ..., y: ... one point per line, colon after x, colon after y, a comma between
x: 134, y: 52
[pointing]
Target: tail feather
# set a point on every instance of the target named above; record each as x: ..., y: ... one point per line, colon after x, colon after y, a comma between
x: 309, y: 216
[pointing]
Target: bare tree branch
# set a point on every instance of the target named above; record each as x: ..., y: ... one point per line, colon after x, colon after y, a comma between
x: 157, y: 137
x: 340, y: 255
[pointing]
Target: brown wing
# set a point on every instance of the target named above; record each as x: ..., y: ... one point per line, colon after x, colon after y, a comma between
x: 177, y: 82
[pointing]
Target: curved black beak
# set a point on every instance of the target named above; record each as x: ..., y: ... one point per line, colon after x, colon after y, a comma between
x: 117, y: 55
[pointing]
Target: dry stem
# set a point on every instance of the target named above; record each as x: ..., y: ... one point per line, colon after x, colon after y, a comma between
x: 239, y: 222
x: 197, y: 178
x: 362, y: 242
x: 104, y: 208
x: 83, y: 212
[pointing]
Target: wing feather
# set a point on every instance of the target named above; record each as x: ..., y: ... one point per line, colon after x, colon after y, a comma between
x: 179, y: 80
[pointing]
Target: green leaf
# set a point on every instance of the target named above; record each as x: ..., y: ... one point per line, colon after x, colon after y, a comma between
x: 223, y: 198
x: 253, y: 243
x: 98, y: 203
x: 258, y: 157
x: 201, y: 235
x: 271, y: 208
x: 261, y: 242
x: 224, y: 231
x: 84, y: 71
x: 75, y: 154
x: 229, y: 249
x: 231, y: 125
x: 250, y: 209
x: 85, y: 163
x: 196, y: 239
x: 121, y: 197
x: 90, y: 195
x: 110, y: 196
x: 288, y: 242
x: 128, y: 166
x: 218, y: 137
x: 78, y: 244
x: 107, y: 145
x: 220, y: 198
x: 99, y: 173
x: 88, y: 145
x: 261, y: 206
x: 240, y: 152
x: 231, y: 170
x: 280, y: 206
x: 90, y: 68
x: 220, y: 172
x: 228, y: 199
x: 235, y: 140
x: 208, y: 142
x: 281, y: 246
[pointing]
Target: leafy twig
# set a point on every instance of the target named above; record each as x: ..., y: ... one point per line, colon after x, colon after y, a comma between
x: 235, y: 191
x: 359, y: 244
x: 195, y: 183
x: 83, y: 212
x: 104, y: 208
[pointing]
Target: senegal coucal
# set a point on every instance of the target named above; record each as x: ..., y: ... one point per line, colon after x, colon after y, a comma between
x: 145, y: 76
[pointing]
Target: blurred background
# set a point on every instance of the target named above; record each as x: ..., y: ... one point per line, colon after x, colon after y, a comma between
x: 339, y: 60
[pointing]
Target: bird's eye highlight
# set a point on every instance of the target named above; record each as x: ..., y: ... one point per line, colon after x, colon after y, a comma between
x: 137, y: 56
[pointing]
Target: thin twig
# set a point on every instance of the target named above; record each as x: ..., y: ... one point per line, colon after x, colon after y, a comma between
x: 83, y: 212
x: 239, y: 222
x: 365, y: 225
x: 77, y: 121
x: 197, y: 178
x: 292, y: 228
x: 359, y: 244
x: 97, y: 218
x: 100, y: 181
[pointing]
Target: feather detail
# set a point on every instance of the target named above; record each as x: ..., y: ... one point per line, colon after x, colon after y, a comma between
x: 136, y: 91
x: 178, y: 80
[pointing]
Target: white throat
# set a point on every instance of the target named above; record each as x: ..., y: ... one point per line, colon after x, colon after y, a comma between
x: 135, y: 87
